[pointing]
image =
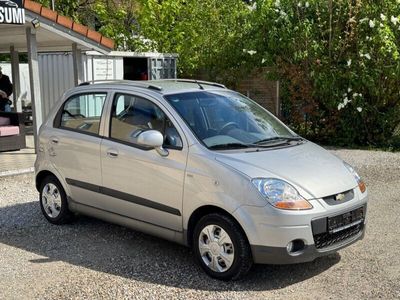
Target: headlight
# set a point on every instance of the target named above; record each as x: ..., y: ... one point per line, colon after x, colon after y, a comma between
x: 281, y: 194
x: 360, y: 182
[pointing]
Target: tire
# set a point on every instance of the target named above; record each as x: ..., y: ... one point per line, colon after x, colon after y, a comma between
x: 222, y: 257
x: 53, y: 201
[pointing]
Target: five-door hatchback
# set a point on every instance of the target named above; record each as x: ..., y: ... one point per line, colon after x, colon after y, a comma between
x: 200, y: 165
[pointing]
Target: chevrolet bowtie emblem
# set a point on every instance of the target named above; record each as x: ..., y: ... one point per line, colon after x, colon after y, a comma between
x: 339, y: 197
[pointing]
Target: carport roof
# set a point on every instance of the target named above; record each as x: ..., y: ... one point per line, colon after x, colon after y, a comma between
x: 56, y: 32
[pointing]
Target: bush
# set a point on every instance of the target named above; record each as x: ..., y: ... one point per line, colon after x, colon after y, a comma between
x: 339, y: 65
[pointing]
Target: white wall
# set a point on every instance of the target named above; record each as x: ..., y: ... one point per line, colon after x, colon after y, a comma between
x: 103, y: 68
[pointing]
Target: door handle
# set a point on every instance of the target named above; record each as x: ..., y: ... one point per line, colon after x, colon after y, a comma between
x: 112, y: 153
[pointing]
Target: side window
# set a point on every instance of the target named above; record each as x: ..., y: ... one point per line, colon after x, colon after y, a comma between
x: 83, y: 112
x: 131, y: 115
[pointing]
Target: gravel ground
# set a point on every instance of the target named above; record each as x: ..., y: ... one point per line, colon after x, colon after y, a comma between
x: 90, y: 259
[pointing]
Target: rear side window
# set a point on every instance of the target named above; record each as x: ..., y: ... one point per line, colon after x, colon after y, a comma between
x: 83, y: 113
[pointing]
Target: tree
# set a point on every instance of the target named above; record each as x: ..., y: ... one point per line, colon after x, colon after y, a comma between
x: 207, y: 35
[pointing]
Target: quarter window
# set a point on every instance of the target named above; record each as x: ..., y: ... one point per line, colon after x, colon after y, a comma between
x: 132, y: 115
x: 83, y: 113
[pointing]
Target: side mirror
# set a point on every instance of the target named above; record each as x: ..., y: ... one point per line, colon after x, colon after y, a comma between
x: 153, y: 139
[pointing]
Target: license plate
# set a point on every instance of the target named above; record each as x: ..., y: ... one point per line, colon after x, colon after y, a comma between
x: 346, y: 220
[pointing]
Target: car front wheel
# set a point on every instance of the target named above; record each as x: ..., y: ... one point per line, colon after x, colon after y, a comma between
x: 221, y: 247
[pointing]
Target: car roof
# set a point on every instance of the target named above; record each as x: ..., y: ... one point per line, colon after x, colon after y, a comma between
x: 163, y: 87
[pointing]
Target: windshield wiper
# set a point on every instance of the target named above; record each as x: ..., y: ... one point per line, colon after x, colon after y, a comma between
x: 279, y: 138
x: 237, y: 146
x: 229, y: 146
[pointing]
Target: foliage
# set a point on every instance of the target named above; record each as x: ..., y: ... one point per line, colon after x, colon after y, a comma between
x: 207, y: 35
x: 339, y: 65
x: 338, y: 61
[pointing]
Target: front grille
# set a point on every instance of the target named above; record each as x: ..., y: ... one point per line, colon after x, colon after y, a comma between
x: 339, y: 198
x: 326, y: 239
x: 332, y: 230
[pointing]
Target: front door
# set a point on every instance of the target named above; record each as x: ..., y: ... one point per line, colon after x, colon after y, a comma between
x: 139, y: 182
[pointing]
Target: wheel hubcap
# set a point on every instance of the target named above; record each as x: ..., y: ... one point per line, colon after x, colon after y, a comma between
x: 216, y: 248
x: 51, y: 200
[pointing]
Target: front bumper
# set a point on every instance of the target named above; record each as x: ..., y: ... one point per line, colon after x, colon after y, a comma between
x: 280, y: 256
x: 270, y: 230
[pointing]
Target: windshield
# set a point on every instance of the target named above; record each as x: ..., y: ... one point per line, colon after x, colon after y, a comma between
x: 227, y: 118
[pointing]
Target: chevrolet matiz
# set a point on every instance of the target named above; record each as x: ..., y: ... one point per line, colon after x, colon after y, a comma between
x: 201, y: 165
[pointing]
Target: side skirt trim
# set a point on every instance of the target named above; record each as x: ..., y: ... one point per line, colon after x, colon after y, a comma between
x: 123, y: 196
x: 74, y: 203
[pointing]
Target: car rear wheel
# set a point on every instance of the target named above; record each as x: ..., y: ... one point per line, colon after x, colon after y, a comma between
x: 221, y: 247
x: 53, y: 201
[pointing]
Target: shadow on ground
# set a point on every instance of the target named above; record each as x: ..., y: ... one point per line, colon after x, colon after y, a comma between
x: 119, y: 251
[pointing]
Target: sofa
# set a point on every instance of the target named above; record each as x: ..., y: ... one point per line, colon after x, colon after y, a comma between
x: 12, y: 131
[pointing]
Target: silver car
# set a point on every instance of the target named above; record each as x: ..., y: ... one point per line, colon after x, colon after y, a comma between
x: 200, y: 165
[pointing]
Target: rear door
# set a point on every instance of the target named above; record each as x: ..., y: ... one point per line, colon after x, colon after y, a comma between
x: 139, y: 183
x: 74, y: 146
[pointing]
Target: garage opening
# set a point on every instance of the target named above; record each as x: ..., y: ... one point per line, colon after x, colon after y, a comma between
x: 136, y: 68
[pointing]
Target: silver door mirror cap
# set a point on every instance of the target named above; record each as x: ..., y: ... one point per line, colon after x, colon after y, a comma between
x: 153, y: 139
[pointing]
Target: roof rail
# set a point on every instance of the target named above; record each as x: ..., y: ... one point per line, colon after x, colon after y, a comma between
x: 199, y: 82
x: 130, y: 82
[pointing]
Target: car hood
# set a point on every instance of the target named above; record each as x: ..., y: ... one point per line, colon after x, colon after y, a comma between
x: 315, y: 172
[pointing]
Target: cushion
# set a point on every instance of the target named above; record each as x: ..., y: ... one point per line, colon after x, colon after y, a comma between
x: 9, y: 130
x: 4, y: 121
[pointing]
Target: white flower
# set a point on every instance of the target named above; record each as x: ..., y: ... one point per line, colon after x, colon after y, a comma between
x: 251, y: 52
x: 244, y: 50
x: 394, y: 20
x: 355, y: 95
x: 349, y: 63
x: 253, y: 7
x: 371, y: 23
x: 299, y: 4
x: 359, y: 109
x: 365, y: 55
x: 263, y: 61
x: 340, y: 106
x: 349, y: 90
x: 345, y: 101
x: 307, y: 4
x: 364, y: 20
x: 383, y: 17
x: 277, y: 3
x: 381, y: 25
x: 283, y: 14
